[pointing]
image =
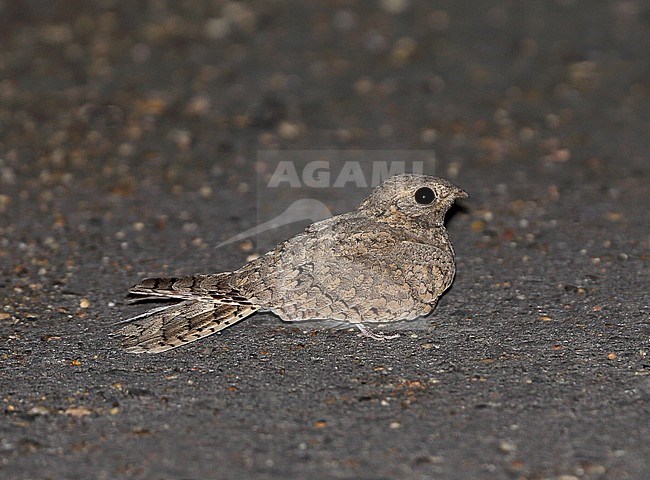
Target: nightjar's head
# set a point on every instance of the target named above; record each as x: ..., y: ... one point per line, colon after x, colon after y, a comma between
x: 413, y: 198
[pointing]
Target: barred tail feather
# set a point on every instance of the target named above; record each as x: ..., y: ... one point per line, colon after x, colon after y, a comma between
x: 214, y: 287
x: 171, y: 326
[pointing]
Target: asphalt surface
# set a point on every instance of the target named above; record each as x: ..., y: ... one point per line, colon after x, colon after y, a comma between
x: 130, y: 134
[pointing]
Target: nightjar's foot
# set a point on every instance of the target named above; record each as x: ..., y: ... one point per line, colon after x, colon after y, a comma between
x: 366, y: 332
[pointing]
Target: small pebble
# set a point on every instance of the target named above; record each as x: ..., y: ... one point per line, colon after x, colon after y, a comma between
x: 507, y: 447
x: 395, y: 7
x: 429, y: 135
x: 39, y: 410
x: 289, y: 130
x: 78, y: 412
x: 246, y: 246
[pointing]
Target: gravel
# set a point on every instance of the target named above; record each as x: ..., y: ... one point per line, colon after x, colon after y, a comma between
x: 130, y: 140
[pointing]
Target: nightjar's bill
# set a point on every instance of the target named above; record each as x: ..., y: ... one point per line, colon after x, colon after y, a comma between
x: 389, y: 260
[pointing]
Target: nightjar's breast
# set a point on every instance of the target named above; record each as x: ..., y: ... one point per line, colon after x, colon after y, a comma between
x: 349, y: 269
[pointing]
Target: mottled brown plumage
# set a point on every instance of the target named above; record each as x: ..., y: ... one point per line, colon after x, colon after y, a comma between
x: 389, y: 260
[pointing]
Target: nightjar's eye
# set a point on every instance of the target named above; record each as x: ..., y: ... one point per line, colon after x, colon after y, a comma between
x: 424, y: 196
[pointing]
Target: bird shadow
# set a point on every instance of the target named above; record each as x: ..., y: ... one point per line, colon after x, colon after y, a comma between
x: 454, y: 210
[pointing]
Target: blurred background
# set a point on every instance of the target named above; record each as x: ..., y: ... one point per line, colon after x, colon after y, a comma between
x: 164, y: 105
